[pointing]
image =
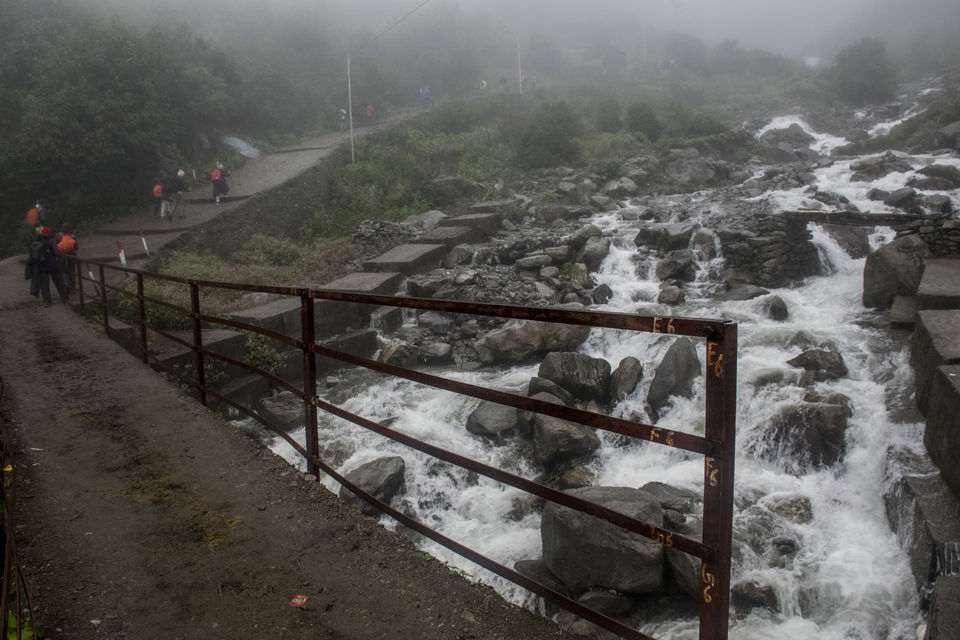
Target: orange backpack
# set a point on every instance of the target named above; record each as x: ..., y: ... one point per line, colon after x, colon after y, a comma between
x: 158, y: 191
x: 33, y: 217
x: 67, y: 245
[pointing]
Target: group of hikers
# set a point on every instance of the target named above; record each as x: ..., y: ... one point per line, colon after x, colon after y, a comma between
x: 51, y: 257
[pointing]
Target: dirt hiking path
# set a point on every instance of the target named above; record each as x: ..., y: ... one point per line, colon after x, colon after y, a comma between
x: 141, y: 515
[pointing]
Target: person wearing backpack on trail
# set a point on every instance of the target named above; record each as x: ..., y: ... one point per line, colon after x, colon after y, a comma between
x: 220, y: 186
x: 37, y: 216
x: 157, y: 199
x: 177, y: 187
x: 67, y: 247
x: 42, y: 265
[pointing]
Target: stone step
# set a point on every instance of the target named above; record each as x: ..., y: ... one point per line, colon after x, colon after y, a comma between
x: 903, y: 313
x: 940, y: 284
x: 489, y: 222
x: 936, y: 342
x: 492, y: 206
x: 942, y: 433
x: 281, y: 315
x: 408, y: 258
x: 944, y: 617
x: 377, y: 283
x: 452, y: 236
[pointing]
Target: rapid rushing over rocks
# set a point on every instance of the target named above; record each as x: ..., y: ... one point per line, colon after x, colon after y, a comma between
x: 708, y: 236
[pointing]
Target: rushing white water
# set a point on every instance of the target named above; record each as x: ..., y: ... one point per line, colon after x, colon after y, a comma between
x: 849, y: 579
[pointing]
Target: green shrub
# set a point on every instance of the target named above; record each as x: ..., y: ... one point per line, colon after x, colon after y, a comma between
x: 261, y: 353
x: 548, y: 137
x: 273, y: 251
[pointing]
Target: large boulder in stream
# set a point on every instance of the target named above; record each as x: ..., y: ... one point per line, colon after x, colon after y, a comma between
x: 893, y: 270
x: 493, y: 420
x: 824, y: 364
x: 675, y: 374
x: 805, y: 437
x: 382, y: 478
x: 586, y: 378
x: 557, y: 441
x: 666, y: 236
x: 284, y: 409
x: 520, y: 340
x: 584, y: 552
x: 593, y: 253
x: 625, y: 378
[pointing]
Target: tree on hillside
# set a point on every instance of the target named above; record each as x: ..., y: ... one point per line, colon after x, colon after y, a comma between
x: 862, y: 73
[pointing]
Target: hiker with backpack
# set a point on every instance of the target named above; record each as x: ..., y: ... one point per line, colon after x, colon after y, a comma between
x: 42, y: 266
x: 157, y: 198
x: 67, y: 248
x: 220, y: 186
x: 37, y: 216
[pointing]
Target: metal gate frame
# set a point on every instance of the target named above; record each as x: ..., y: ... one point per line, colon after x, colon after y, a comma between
x: 717, y: 445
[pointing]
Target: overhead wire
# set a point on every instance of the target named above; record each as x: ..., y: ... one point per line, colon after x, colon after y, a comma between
x: 392, y: 26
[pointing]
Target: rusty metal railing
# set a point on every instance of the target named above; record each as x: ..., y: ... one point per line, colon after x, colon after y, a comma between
x: 716, y: 445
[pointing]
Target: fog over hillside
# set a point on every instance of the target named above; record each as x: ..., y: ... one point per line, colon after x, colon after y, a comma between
x: 789, y: 27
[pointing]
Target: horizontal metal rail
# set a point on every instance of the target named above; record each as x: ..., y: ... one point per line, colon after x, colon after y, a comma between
x: 716, y: 445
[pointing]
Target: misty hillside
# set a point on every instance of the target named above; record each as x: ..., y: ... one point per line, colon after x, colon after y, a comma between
x: 101, y: 98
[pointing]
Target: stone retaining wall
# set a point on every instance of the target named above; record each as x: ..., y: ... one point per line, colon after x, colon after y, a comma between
x: 941, y: 233
x: 778, y: 253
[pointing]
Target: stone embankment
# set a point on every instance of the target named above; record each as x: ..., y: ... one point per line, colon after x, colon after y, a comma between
x: 922, y: 290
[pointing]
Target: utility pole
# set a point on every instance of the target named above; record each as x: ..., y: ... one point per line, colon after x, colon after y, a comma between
x: 353, y: 157
x: 519, y: 68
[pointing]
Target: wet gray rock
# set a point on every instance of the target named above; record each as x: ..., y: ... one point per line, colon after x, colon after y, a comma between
x: 805, y: 437
x: 535, y: 261
x: 625, y: 378
x: 557, y: 441
x: 942, y: 171
x: 493, y: 420
x: 677, y: 265
x: 541, y: 385
x: 382, y: 478
x: 520, y: 340
x: 776, y: 308
x: 745, y: 595
x: 601, y: 294
x: 400, y: 353
x: 672, y: 295
x: 586, y: 378
x: 593, y: 252
x: 585, y: 552
x: 620, y: 189
x: 666, y: 236
x: 823, y: 363
x: 675, y: 374
x: 893, y: 270
x: 284, y: 409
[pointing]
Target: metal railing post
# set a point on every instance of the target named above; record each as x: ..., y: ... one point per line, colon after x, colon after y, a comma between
x: 198, y: 340
x: 103, y: 300
x: 721, y: 407
x: 79, y: 276
x: 308, y: 337
x: 143, y: 318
